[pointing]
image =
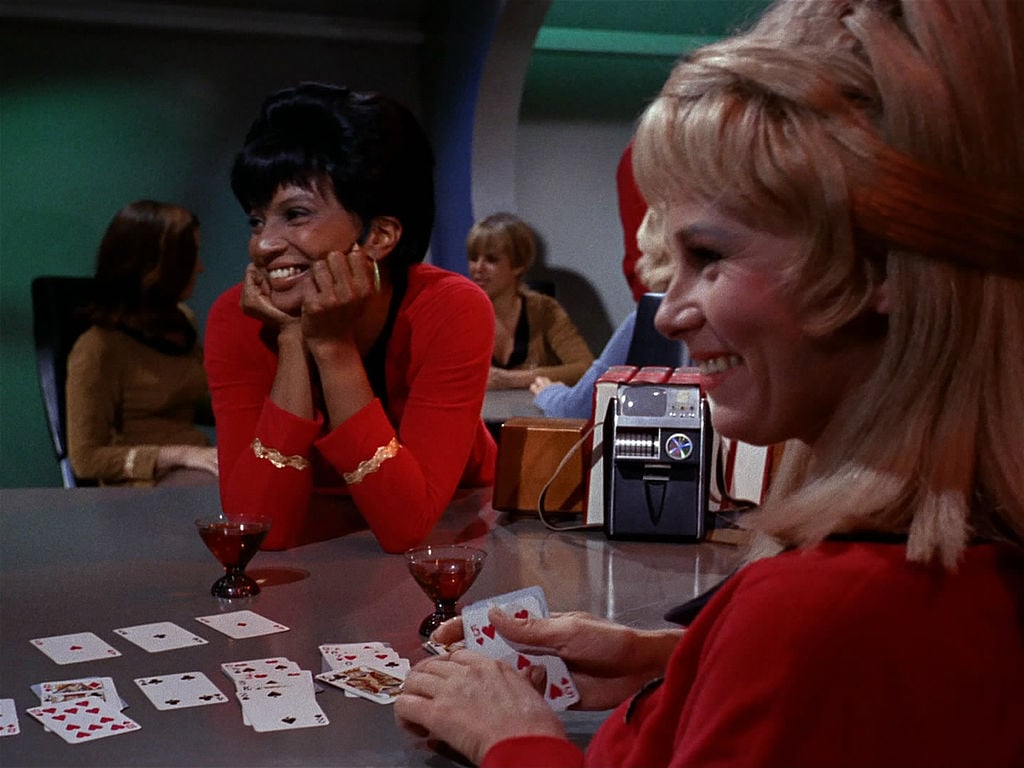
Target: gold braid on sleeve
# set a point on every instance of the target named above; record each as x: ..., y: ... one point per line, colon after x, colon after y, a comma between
x: 372, y: 464
x: 277, y: 458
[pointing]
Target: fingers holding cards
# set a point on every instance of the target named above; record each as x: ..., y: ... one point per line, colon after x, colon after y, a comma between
x: 481, y: 636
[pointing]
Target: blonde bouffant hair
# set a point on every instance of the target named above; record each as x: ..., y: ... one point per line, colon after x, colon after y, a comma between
x: 889, y: 136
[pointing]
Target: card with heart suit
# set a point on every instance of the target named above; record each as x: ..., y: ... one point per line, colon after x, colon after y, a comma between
x: 341, y: 655
x: 56, y: 691
x: 480, y: 635
x: 181, y: 690
x: 242, y: 624
x: 257, y: 669
x: 80, y: 721
x: 9, y: 718
x: 367, y: 682
x: 559, y: 689
x: 338, y: 656
x: 160, y: 636
x: 76, y: 647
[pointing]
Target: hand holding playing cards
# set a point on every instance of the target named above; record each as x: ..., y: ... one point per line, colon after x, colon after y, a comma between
x: 472, y: 702
x: 608, y: 661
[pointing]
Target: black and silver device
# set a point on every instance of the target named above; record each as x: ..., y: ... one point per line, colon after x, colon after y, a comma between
x: 658, y: 442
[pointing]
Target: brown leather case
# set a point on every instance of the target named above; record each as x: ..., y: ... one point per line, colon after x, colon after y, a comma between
x: 529, y: 452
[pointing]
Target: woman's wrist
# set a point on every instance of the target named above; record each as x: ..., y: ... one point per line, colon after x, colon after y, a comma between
x: 653, y: 647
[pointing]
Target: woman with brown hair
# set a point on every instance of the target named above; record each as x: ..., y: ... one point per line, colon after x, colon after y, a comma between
x: 135, y: 379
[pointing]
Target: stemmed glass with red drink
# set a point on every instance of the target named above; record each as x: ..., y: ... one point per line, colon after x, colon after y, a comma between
x: 444, y: 572
x: 233, y: 543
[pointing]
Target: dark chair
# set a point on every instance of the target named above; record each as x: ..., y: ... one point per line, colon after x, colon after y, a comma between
x: 648, y: 347
x: 57, y: 321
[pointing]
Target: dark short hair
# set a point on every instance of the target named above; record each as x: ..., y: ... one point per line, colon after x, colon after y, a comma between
x: 372, y: 149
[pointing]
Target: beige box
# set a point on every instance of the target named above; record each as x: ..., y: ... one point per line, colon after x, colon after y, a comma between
x: 529, y: 452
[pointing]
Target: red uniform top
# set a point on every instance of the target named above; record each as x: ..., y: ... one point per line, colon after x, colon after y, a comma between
x: 632, y: 209
x: 844, y: 655
x: 435, y: 366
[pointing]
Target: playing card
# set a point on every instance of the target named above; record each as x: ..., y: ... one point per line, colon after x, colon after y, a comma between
x: 366, y: 681
x: 70, y: 649
x: 242, y: 624
x: 275, y: 709
x: 58, y: 691
x: 79, y: 721
x: 161, y: 636
x: 179, y: 691
x: 480, y: 634
x: 342, y: 655
x: 8, y: 718
x: 559, y: 689
x: 440, y: 649
x: 256, y: 669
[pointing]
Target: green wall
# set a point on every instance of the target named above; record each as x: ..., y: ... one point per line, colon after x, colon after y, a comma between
x: 93, y: 117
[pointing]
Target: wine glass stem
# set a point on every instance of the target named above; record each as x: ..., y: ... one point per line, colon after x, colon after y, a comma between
x: 445, y: 609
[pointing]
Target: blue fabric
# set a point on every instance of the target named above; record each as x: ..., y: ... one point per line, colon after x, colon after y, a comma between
x: 576, y: 402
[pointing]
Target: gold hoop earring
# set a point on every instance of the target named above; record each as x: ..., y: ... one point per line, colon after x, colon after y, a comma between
x: 376, y: 276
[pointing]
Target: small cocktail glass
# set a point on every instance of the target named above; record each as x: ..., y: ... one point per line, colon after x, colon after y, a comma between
x: 233, y: 543
x: 444, y: 572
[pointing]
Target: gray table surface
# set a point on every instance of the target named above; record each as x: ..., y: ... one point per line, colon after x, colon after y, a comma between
x: 99, y: 559
x: 502, y: 404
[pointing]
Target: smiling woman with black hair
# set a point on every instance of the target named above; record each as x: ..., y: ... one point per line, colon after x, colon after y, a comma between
x: 347, y: 376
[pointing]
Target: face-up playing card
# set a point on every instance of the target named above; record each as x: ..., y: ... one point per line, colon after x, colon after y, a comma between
x: 8, y: 718
x: 58, y: 691
x: 282, y: 708
x: 365, y: 681
x: 79, y: 720
x: 376, y: 654
x: 179, y: 691
x: 342, y: 655
x: 559, y: 689
x: 480, y: 634
x: 161, y: 636
x: 258, y: 669
x: 242, y: 624
x: 440, y: 649
x: 73, y: 648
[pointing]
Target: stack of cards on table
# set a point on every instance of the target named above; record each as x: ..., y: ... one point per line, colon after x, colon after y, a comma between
x: 275, y: 694
x: 480, y: 635
x: 371, y: 670
x: 81, y: 710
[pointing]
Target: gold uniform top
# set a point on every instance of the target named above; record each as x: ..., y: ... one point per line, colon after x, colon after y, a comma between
x: 125, y: 400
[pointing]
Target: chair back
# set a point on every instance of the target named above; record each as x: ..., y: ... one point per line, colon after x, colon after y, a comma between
x: 648, y: 347
x: 57, y: 322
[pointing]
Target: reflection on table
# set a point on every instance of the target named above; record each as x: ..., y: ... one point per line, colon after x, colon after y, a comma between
x: 98, y: 559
